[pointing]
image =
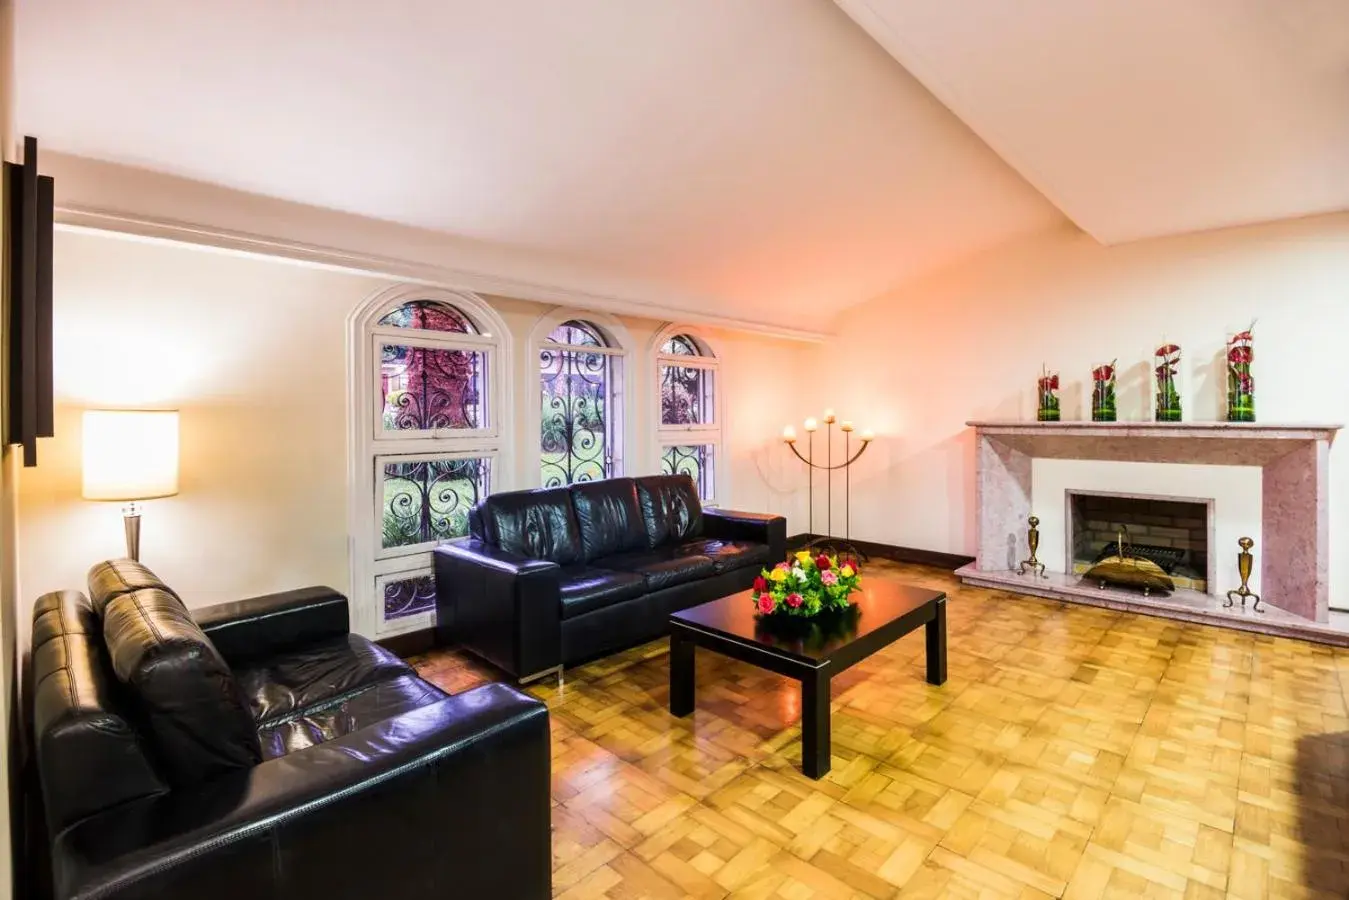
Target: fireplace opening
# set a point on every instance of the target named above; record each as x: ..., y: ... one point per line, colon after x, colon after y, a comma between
x: 1171, y: 532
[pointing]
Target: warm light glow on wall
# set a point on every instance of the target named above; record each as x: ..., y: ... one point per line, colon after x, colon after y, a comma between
x: 130, y: 454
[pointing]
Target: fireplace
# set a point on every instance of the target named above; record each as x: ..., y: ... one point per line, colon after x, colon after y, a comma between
x: 1174, y: 532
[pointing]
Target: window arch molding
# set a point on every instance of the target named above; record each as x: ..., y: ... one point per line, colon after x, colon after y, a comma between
x: 374, y: 570
x: 626, y: 384
x: 674, y: 447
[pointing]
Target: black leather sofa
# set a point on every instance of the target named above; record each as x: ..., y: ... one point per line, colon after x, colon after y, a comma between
x: 257, y: 749
x: 549, y: 578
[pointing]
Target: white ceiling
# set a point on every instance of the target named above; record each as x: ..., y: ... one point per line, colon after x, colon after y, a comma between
x: 1141, y: 118
x: 758, y: 158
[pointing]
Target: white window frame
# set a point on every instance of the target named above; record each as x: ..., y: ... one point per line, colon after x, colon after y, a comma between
x: 713, y: 433
x: 369, y: 445
x: 623, y: 378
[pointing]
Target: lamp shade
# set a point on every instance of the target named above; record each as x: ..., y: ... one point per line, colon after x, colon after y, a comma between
x: 130, y: 454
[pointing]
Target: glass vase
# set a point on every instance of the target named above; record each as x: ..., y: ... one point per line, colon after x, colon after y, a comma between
x: 1240, y: 383
x: 1166, y: 373
x: 1103, y: 393
x: 1048, y: 389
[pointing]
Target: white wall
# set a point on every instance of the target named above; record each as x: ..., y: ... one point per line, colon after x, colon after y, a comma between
x: 968, y: 343
x: 252, y: 352
x: 9, y: 576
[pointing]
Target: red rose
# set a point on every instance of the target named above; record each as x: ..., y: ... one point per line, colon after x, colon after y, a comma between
x: 766, y: 603
x: 760, y: 585
x: 822, y: 562
x: 795, y: 600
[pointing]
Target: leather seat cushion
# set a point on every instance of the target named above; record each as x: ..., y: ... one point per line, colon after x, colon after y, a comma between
x: 585, y: 589
x: 119, y: 577
x: 728, y: 556
x: 671, y: 510
x: 535, y: 524
x: 661, y: 568
x: 371, y: 705
x: 188, y: 699
x: 292, y: 683
x: 608, y: 516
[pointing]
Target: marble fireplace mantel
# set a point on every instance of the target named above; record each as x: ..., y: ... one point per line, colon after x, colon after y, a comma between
x: 1294, y: 548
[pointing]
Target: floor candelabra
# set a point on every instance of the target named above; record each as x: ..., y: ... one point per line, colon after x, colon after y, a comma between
x: 827, y: 541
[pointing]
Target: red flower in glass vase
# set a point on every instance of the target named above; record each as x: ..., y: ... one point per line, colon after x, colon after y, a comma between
x: 766, y: 603
x: 1240, y: 354
x: 1166, y: 350
x: 1049, y: 382
x: 1243, y: 336
x: 1103, y: 373
x: 760, y: 584
x: 822, y: 562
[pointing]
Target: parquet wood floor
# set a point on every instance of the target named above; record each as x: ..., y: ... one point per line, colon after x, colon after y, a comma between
x: 1073, y: 752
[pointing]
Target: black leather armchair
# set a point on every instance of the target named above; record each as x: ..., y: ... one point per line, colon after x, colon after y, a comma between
x: 260, y: 750
x: 553, y: 577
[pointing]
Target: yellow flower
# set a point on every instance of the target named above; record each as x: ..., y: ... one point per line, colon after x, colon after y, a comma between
x: 778, y: 575
x: 846, y: 571
x: 802, y: 556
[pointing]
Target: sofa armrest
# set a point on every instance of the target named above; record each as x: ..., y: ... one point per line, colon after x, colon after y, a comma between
x: 447, y: 800
x: 733, y: 525
x: 274, y: 622
x: 503, y: 607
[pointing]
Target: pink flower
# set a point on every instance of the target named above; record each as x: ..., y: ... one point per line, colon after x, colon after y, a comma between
x: 829, y: 577
x: 783, y: 566
x: 795, y: 600
x: 766, y: 603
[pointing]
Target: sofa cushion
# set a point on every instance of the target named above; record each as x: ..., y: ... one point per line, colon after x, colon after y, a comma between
x: 536, y: 524
x: 662, y: 568
x: 290, y: 684
x: 187, y: 696
x: 671, y: 511
x: 585, y: 589
x: 88, y: 752
x: 372, y: 704
x: 116, y: 577
x: 608, y: 516
x: 728, y: 556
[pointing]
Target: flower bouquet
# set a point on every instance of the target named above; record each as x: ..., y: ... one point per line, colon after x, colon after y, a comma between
x: 1103, y: 393
x: 1167, y: 363
x: 1240, y: 384
x: 1048, y: 388
x: 805, y: 586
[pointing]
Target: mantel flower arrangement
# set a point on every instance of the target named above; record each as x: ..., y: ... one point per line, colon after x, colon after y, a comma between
x: 1167, y: 364
x: 1048, y: 388
x: 1240, y: 384
x: 805, y: 586
x: 1103, y: 407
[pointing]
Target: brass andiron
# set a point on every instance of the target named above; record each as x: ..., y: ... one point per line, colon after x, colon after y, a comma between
x: 1245, y: 562
x: 1032, y: 538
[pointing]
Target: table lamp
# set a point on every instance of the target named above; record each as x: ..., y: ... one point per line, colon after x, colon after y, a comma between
x: 131, y: 455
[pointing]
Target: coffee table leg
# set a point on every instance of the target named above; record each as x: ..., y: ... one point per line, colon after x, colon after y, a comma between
x: 815, y: 725
x: 936, y: 645
x: 681, y: 674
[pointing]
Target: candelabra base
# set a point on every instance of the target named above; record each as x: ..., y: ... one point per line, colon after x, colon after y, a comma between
x: 837, y: 547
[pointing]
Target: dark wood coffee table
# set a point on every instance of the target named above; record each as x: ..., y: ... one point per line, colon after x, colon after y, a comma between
x: 811, y: 651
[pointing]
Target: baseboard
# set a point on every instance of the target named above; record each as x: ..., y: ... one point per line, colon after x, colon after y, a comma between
x: 411, y: 643
x: 912, y: 555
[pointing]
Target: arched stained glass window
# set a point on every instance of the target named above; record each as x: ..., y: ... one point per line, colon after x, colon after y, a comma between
x: 578, y: 421
x: 428, y: 315
x: 688, y: 429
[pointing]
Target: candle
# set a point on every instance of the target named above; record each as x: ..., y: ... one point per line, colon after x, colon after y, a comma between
x: 789, y: 434
x: 867, y: 435
x: 846, y: 426
x: 829, y: 415
x: 811, y: 425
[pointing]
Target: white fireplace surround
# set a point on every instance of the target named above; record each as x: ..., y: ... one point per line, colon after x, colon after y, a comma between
x: 1233, y: 491
x: 1268, y: 481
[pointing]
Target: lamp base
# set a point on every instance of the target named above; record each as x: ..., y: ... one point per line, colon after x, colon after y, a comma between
x: 131, y: 523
